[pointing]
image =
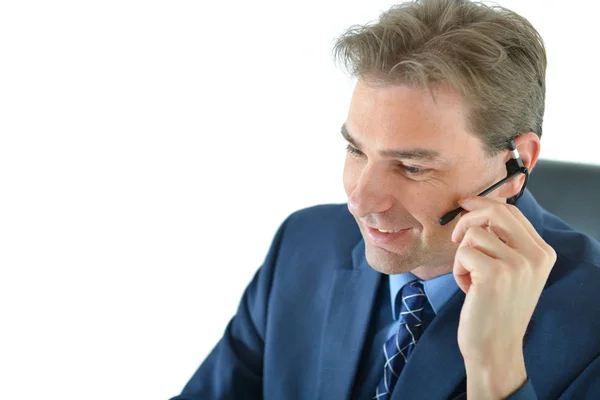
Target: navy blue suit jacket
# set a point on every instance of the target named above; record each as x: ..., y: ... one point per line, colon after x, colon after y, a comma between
x: 302, y: 322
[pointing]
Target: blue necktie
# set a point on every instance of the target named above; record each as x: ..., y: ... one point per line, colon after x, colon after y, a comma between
x: 398, y: 347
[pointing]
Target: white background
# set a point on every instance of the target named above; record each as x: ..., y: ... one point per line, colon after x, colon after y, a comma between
x: 149, y: 151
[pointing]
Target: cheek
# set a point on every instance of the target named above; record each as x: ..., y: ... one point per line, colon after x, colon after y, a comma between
x: 351, y: 175
x: 425, y: 203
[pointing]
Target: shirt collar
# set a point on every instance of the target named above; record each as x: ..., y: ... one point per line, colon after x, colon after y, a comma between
x: 438, y: 290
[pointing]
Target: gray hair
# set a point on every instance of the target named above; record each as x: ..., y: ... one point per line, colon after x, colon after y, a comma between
x: 492, y: 56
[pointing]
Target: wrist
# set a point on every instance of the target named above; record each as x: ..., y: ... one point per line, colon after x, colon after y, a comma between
x: 495, y: 379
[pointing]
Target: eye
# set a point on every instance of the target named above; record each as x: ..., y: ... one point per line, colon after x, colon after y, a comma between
x: 412, y: 170
x: 353, y: 150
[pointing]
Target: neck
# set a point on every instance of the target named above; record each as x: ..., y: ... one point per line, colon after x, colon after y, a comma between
x: 426, y: 272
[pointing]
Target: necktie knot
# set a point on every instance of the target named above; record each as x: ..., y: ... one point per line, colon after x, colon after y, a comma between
x: 412, y: 303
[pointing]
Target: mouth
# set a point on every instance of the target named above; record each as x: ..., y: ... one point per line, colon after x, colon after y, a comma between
x: 385, y: 236
x: 389, y: 231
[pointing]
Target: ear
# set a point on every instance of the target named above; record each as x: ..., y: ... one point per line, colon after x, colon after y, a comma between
x: 528, y: 146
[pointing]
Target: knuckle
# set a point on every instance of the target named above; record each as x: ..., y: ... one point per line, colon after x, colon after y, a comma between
x: 498, y: 211
x: 505, y: 208
x: 462, y: 252
x: 550, y: 254
x: 472, y: 233
x: 539, y: 254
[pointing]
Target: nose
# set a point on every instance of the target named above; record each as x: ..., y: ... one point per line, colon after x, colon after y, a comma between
x: 371, y: 193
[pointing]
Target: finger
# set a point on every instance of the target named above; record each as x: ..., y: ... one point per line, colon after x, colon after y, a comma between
x: 499, y: 220
x: 543, y: 253
x: 488, y: 243
x: 526, y: 224
x: 471, y: 266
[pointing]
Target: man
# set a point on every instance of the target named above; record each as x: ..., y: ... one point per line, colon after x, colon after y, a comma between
x: 377, y: 299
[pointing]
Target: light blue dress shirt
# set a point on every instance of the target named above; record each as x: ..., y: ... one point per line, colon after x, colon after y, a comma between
x: 438, y: 290
x: 385, y: 322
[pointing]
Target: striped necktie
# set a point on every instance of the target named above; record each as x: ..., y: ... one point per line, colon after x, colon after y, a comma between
x: 399, y: 346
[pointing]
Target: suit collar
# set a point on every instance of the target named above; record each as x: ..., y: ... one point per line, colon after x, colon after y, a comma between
x: 531, y: 210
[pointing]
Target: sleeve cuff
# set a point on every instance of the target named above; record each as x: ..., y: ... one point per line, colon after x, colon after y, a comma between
x: 526, y: 392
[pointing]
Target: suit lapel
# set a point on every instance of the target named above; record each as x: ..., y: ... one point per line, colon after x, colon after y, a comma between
x: 352, y: 295
x: 435, y: 368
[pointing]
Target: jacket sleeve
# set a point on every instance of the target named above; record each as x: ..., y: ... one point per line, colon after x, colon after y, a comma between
x: 233, y: 370
x: 585, y: 386
x: 526, y: 392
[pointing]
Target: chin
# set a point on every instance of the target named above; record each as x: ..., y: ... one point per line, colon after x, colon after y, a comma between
x: 387, y: 262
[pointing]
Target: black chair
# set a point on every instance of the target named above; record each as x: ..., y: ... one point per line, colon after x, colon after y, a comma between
x: 570, y: 191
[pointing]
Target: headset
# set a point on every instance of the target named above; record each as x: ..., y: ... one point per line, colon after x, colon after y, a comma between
x: 514, y: 167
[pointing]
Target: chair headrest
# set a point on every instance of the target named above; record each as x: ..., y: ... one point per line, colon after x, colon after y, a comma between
x: 570, y: 191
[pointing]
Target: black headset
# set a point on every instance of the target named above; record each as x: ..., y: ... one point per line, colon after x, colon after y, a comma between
x: 514, y: 167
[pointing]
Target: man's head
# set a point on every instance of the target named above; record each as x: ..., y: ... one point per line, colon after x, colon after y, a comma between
x: 442, y: 87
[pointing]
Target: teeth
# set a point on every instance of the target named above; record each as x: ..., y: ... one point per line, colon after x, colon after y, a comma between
x: 384, y: 231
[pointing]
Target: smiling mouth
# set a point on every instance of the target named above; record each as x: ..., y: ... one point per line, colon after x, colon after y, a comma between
x: 380, y: 237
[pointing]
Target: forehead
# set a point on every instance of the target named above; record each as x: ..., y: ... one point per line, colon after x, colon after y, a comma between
x: 405, y: 116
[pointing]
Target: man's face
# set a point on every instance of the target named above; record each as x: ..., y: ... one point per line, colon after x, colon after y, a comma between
x: 410, y: 160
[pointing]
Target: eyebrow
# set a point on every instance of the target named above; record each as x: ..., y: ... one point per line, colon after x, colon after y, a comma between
x: 408, y: 154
